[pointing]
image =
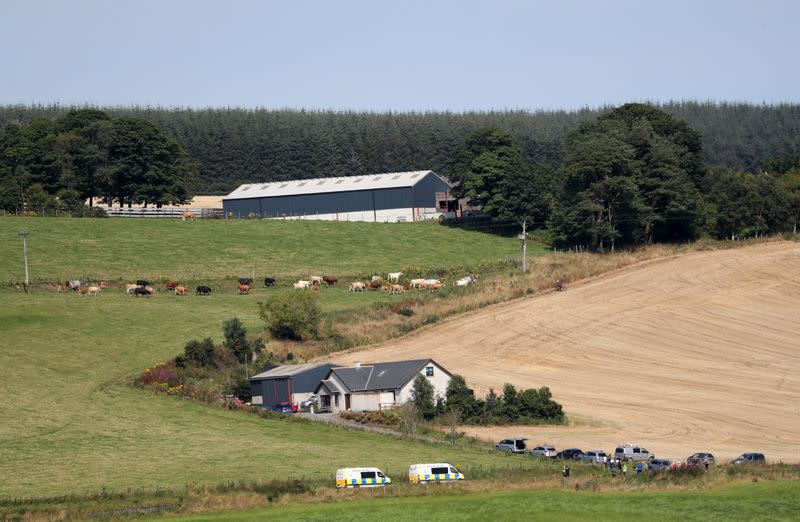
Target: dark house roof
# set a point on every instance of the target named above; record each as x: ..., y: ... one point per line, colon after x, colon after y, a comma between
x: 303, y: 377
x: 380, y: 376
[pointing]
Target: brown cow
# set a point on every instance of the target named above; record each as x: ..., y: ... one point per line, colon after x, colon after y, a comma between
x: 330, y: 280
x: 180, y: 290
x: 187, y: 214
x: 243, y: 289
x: 374, y: 285
x: 63, y: 287
x: 171, y: 285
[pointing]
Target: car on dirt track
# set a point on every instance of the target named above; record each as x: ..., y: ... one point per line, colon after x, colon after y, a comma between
x: 512, y: 445
x: 594, y: 457
x: 701, y: 459
x: 544, y: 451
x: 569, y: 454
x: 749, y: 458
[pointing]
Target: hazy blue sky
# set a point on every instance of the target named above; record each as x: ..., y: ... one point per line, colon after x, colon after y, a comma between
x: 398, y: 55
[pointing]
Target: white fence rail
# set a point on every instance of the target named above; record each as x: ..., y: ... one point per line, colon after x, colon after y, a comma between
x: 163, y: 212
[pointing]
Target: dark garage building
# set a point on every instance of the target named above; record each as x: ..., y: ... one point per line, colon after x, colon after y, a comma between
x: 393, y: 197
x: 289, y: 383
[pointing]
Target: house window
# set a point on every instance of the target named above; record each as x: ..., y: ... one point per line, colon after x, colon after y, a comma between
x: 429, y: 371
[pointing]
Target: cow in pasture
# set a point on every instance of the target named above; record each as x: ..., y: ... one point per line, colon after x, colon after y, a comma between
x: 93, y: 291
x: 374, y: 285
x: 330, y: 280
x: 171, y: 285
x: 129, y: 288
x: 302, y: 284
x: 394, y: 289
x: 142, y: 282
x: 203, y: 290
x: 245, y: 281
x: 269, y: 281
x: 83, y: 290
x: 466, y: 280
x: 188, y: 214
x: 394, y: 276
x: 141, y: 291
x: 426, y: 283
x: 243, y: 289
x: 434, y: 287
x: 180, y: 290
x: 315, y: 280
x: 62, y: 287
x: 377, y: 278
x: 105, y: 285
x: 416, y: 282
x: 74, y: 284
x: 150, y: 289
x: 356, y: 286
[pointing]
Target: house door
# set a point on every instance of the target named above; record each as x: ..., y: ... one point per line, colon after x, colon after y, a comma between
x: 347, y: 401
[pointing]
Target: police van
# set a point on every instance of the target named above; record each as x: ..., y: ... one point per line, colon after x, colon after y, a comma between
x: 442, y: 472
x: 361, y: 478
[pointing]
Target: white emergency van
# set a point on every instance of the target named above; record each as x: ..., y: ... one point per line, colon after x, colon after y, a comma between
x: 441, y: 472
x: 361, y: 478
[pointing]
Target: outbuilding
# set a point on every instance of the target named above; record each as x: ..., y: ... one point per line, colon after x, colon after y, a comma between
x: 378, y: 386
x: 381, y: 198
x: 287, y: 383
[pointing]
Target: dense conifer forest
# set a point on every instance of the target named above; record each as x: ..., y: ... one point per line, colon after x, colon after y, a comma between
x: 233, y: 146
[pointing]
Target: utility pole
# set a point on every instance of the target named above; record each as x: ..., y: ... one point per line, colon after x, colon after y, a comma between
x: 24, y: 235
x: 524, y: 239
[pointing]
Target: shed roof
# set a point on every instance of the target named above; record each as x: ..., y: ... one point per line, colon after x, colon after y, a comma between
x: 325, y: 185
x: 288, y: 370
x: 380, y: 376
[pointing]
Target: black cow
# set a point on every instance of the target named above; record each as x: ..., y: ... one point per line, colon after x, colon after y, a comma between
x: 269, y: 281
x: 141, y: 291
x: 245, y: 281
x: 142, y: 282
x: 203, y: 290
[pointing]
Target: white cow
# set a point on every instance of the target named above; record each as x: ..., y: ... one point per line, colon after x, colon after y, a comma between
x: 315, y: 280
x: 394, y: 276
x: 130, y: 288
x: 93, y: 290
x: 377, y: 278
x: 357, y: 286
x: 416, y: 282
x: 302, y: 284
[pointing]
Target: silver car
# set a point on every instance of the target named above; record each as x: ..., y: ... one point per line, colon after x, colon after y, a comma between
x: 544, y: 451
x: 631, y: 452
x: 594, y: 457
x: 511, y: 445
x: 659, y: 465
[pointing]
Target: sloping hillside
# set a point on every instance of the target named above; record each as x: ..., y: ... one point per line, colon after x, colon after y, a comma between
x: 696, y: 353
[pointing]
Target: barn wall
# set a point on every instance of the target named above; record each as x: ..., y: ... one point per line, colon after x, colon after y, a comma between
x: 328, y: 203
x: 271, y: 391
x: 423, y: 194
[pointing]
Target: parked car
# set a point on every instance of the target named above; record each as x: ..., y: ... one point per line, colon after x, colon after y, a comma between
x: 512, y: 445
x: 631, y: 452
x: 659, y: 465
x: 749, y: 458
x: 361, y: 478
x: 594, y: 457
x: 284, y: 407
x: 544, y: 451
x: 701, y: 459
x: 311, y: 404
x: 569, y: 454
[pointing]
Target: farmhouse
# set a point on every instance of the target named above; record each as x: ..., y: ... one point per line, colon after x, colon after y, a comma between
x: 287, y: 383
x: 380, y: 198
x: 379, y: 386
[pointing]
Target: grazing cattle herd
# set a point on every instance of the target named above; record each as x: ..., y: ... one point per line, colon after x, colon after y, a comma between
x: 392, y: 284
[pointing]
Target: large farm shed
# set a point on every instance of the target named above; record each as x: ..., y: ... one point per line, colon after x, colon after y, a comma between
x: 287, y: 383
x: 381, y: 198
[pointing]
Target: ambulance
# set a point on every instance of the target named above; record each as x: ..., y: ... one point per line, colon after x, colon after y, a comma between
x: 361, y: 478
x: 442, y: 472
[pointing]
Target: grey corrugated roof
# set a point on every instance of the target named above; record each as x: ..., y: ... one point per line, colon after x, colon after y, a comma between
x: 326, y: 185
x: 330, y: 385
x: 380, y: 376
x: 287, y: 370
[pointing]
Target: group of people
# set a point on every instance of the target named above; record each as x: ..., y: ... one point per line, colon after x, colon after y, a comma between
x: 615, y: 465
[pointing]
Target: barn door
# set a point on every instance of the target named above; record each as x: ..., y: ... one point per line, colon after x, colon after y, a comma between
x: 346, y: 401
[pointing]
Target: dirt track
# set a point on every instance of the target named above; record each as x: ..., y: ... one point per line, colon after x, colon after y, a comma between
x: 695, y: 353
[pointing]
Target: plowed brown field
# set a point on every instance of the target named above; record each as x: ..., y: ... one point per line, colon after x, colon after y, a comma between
x: 699, y: 352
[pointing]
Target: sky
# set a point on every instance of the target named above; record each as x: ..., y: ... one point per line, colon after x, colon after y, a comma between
x: 400, y: 56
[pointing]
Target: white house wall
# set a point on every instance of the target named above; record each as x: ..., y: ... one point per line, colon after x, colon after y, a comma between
x: 440, y: 380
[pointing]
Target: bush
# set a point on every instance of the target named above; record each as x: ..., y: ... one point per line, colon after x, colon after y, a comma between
x: 200, y: 353
x: 236, y: 339
x: 295, y: 316
x: 422, y: 396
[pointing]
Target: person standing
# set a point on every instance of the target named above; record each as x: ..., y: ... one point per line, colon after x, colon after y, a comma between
x: 613, y: 470
x: 624, y: 469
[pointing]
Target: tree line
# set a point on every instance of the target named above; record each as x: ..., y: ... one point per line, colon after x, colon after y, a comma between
x: 234, y: 146
x: 635, y: 175
x: 85, y: 154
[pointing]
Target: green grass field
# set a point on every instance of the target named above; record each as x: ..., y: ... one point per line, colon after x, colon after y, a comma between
x: 69, y: 421
x: 127, y: 249
x: 776, y: 500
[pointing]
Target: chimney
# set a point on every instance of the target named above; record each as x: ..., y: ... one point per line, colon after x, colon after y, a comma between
x: 358, y: 364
